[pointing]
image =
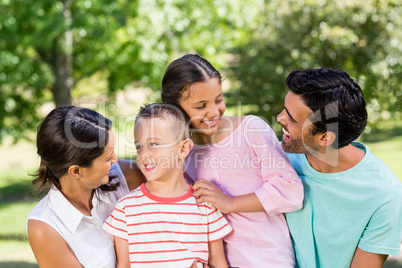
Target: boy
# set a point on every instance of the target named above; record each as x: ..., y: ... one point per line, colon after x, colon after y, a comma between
x: 160, y: 223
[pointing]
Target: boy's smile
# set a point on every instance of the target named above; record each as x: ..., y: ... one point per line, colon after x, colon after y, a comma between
x: 157, y: 148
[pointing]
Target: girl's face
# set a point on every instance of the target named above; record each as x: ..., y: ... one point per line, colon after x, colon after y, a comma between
x: 204, y: 104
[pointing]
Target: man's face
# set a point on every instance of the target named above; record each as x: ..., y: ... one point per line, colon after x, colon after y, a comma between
x: 297, y: 136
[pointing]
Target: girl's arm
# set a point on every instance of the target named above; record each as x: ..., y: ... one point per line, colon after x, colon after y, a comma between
x: 132, y: 173
x: 49, y: 247
x: 122, y: 252
x: 281, y: 190
x: 216, y: 255
x: 208, y: 192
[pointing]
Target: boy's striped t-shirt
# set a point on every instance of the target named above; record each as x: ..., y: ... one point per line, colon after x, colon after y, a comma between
x: 169, y: 232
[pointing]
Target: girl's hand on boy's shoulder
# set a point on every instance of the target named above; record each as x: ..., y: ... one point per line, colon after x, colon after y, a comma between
x: 195, y: 265
x: 208, y: 192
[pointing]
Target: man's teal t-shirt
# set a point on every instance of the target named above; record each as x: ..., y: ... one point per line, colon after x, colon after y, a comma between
x: 360, y: 207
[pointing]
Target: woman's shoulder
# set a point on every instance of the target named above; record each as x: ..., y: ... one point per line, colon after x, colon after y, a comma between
x: 132, y: 173
x: 42, y: 209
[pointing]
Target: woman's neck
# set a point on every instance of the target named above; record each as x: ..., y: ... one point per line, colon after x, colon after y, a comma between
x: 80, y: 198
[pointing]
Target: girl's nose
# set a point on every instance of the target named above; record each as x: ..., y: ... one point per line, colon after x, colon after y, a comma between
x: 213, y: 112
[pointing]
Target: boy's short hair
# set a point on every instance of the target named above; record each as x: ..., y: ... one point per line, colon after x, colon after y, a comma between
x: 170, y: 113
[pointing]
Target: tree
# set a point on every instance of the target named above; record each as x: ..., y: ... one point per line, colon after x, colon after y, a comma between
x: 48, y: 46
x: 361, y: 37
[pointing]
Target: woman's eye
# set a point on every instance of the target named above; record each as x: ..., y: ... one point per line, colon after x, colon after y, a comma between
x: 137, y: 147
x: 153, y: 144
x: 220, y: 100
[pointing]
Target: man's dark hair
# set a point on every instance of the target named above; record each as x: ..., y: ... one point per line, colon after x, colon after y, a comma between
x: 336, y: 100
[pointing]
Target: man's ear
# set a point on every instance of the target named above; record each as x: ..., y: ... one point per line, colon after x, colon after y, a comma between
x: 185, y: 147
x: 74, y: 171
x: 326, y: 138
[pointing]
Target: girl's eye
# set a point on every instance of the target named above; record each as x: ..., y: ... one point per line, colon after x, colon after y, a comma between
x: 220, y: 100
x: 201, y: 107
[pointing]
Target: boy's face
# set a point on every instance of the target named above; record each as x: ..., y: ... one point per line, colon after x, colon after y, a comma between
x: 158, y: 148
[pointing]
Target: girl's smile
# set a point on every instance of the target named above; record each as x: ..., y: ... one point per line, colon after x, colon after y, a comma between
x: 205, y: 105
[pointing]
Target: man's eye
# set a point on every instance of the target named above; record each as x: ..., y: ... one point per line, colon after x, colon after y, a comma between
x: 153, y: 144
x: 138, y: 147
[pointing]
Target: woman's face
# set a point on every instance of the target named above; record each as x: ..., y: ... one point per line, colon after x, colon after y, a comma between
x: 98, y: 173
x: 204, y: 104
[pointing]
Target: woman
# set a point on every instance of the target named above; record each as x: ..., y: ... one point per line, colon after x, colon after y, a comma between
x: 76, y: 149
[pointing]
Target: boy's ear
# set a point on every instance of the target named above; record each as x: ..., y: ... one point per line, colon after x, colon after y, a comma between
x: 185, y: 147
x: 326, y: 138
x: 74, y: 171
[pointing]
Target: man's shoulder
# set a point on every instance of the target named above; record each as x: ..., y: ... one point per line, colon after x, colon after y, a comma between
x: 297, y: 160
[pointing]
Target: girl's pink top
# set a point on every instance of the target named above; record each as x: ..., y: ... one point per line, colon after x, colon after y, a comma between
x: 251, y: 160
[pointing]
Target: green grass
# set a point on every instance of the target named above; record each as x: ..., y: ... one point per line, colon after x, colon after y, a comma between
x: 389, y: 151
x: 13, y: 217
x: 16, y: 254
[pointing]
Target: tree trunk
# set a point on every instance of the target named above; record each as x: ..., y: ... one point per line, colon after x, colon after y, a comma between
x: 62, y: 61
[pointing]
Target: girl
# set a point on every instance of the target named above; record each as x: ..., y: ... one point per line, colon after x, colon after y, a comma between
x: 243, y: 170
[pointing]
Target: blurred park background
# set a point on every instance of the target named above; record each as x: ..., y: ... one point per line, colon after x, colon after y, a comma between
x: 111, y: 55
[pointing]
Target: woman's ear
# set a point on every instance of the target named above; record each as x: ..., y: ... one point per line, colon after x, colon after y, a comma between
x: 74, y: 171
x: 185, y: 147
x: 327, y: 138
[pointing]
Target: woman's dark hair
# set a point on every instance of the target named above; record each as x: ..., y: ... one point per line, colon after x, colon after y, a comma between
x: 336, y: 100
x: 182, y: 73
x: 70, y: 136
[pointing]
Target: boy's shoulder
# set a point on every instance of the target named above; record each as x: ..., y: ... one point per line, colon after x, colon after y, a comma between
x: 132, y: 196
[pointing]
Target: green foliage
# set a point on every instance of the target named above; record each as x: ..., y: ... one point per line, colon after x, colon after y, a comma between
x: 361, y: 37
x: 132, y: 42
x: 127, y: 41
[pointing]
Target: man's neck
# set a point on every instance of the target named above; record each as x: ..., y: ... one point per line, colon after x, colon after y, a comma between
x: 336, y: 160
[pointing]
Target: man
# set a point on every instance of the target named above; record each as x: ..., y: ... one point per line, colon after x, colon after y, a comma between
x: 352, y: 214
